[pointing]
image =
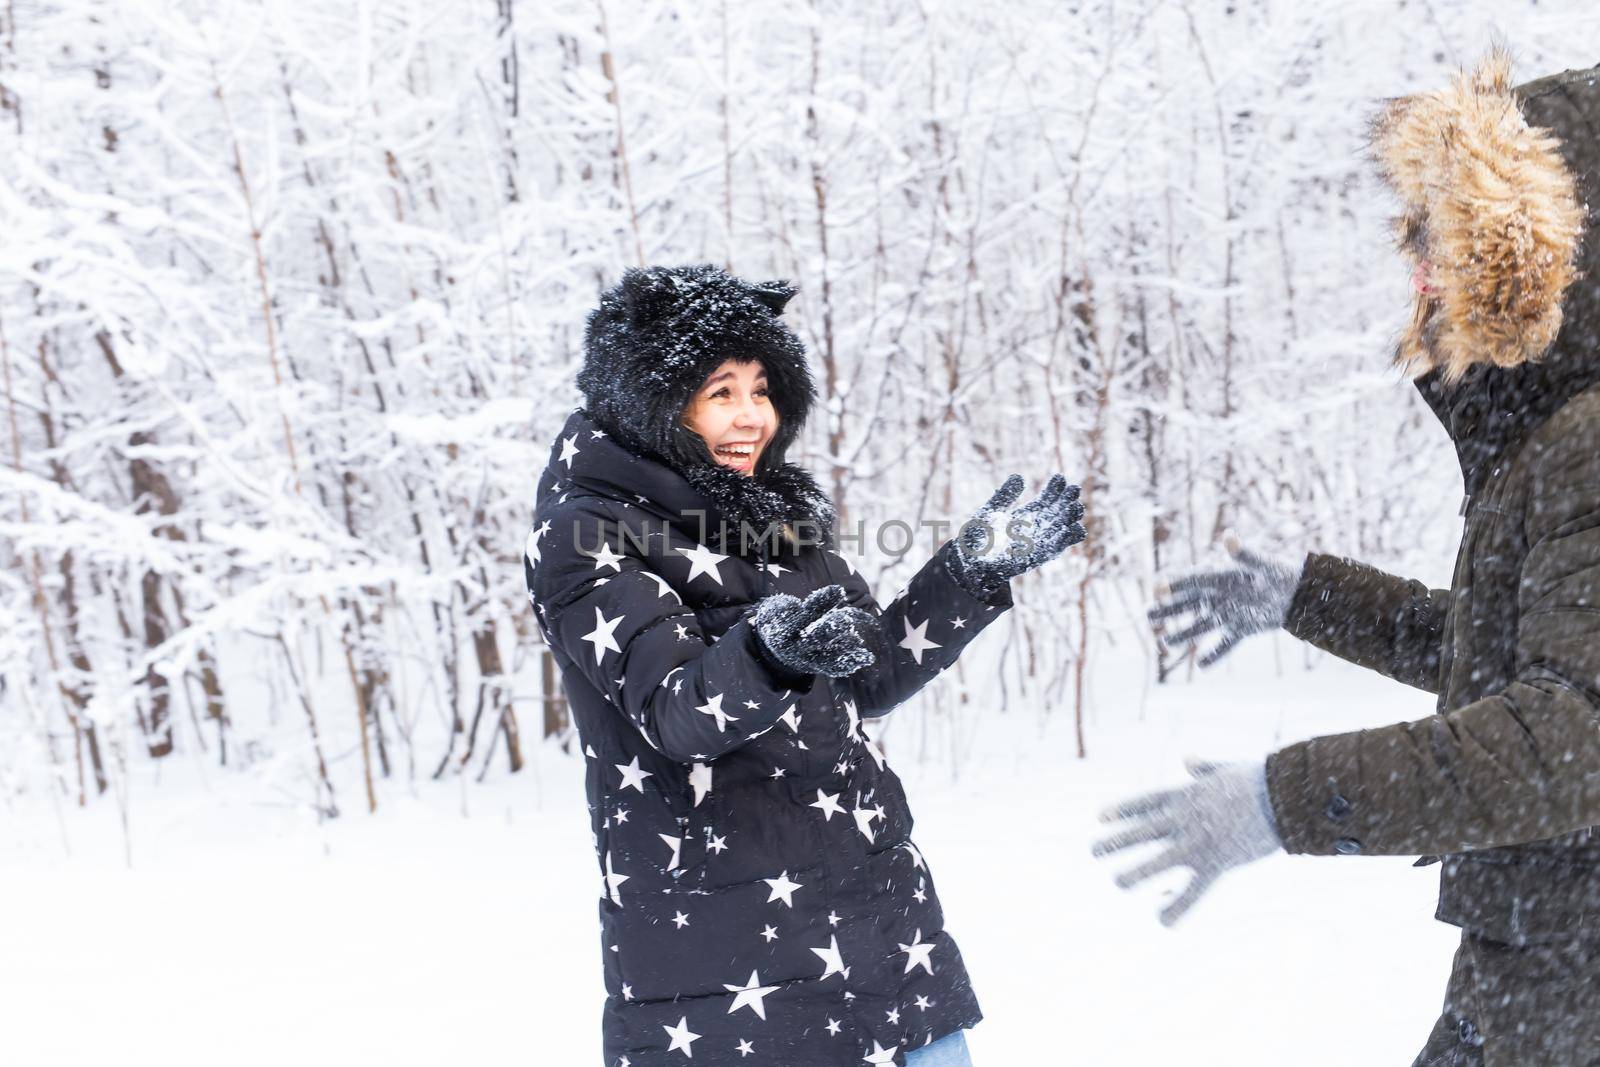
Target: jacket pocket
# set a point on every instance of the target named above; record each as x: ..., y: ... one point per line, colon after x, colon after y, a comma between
x: 678, y: 943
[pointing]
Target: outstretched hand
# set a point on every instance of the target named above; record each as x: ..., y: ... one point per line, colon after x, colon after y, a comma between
x: 999, y: 543
x: 1221, y: 820
x: 1251, y: 597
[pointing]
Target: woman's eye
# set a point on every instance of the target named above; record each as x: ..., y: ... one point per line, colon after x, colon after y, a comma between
x: 719, y: 394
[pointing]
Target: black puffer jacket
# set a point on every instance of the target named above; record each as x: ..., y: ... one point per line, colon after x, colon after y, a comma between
x: 759, y: 889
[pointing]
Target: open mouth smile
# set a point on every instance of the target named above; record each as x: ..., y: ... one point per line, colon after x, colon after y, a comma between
x: 736, y: 455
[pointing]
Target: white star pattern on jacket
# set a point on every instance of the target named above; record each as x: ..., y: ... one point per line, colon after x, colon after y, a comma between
x: 853, y: 716
x: 713, y: 708
x: 632, y: 776
x: 604, y: 557
x: 703, y: 561
x: 916, y: 639
x: 664, y: 587
x: 700, y: 781
x: 832, y: 961
x: 782, y: 889
x: 879, y: 1054
x: 750, y: 996
x: 676, y: 844
x: 603, y: 636
x: 531, y: 549
x: 614, y: 881
x: 828, y: 804
x: 917, y: 953
x: 682, y: 1037
x: 569, y: 450
x: 864, y: 817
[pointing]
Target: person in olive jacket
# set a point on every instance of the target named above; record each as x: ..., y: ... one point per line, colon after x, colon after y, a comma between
x: 760, y: 892
x: 1503, y: 782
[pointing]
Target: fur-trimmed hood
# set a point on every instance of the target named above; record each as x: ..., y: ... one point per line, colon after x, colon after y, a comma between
x: 660, y: 331
x: 782, y: 512
x: 1494, y: 181
x: 654, y: 338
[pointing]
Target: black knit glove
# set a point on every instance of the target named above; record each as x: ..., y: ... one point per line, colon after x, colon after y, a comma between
x: 1249, y: 598
x: 997, y: 543
x: 821, y: 634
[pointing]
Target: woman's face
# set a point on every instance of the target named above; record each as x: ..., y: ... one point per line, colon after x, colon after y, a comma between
x: 733, y: 413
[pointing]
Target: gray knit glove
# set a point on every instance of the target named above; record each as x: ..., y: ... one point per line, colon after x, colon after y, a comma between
x: 1222, y: 819
x: 821, y: 634
x: 1246, y: 599
x: 997, y: 543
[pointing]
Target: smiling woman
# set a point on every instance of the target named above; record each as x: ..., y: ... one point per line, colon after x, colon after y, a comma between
x: 733, y: 414
x: 719, y: 684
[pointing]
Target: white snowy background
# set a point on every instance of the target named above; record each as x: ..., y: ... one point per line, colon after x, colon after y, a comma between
x: 291, y: 301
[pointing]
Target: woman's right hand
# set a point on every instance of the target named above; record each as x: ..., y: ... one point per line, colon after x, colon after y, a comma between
x: 821, y: 634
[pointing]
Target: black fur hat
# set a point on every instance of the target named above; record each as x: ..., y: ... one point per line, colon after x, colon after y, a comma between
x: 656, y: 336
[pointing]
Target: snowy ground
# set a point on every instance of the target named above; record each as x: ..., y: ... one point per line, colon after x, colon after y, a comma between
x: 457, y: 924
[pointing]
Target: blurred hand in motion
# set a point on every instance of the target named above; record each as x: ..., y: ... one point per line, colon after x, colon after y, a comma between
x: 1221, y: 820
x: 1250, y: 597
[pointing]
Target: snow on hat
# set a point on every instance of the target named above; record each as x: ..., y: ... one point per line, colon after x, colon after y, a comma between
x: 660, y: 332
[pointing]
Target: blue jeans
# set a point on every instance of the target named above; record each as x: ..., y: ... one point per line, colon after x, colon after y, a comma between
x: 950, y: 1051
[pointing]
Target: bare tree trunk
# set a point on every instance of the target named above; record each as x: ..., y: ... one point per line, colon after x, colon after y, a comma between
x: 270, y: 322
x: 73, y: 699
x: 510, y: 79
x: 1154, y: 382
x: 608, y: 67
x: 727, y: 148
x: 1225, y: 489
x: 491, y: 673
x: 830, y: 360
x: 328, y: 808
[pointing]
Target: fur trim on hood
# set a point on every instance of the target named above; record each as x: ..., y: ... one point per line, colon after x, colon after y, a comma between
x: 660, y: 331
x: 650, y: 344
x: 1492, y: 205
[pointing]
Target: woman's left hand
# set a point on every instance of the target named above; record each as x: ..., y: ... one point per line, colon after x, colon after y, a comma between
x: 999, y: 543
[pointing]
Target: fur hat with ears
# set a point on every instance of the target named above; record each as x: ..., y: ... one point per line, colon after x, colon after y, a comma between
x: 1492, y: 203
x: 655, y: 338
x: 660, y: 332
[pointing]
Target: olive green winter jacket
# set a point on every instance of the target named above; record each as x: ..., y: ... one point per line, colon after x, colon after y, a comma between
x: 1503, y: 782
